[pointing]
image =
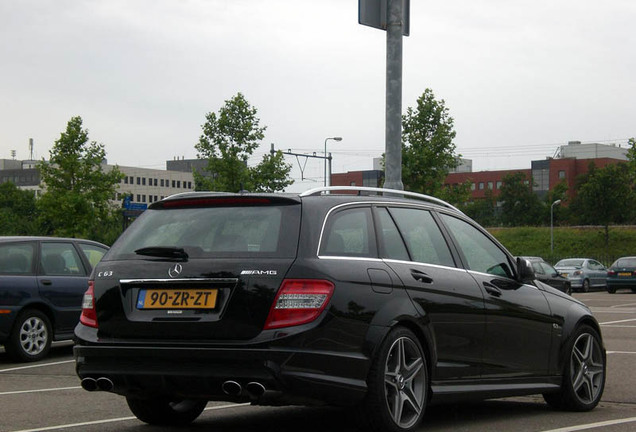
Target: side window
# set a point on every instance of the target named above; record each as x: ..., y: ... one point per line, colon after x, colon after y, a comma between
x: 349, y: 233
x: 538, y: 268
x: 423, y: 237
x: 548, y: 269
x: 393, y: 246
x: 16, y: 258
x: 92, y: 252
x: 61, y: 259
x: 481, y: 254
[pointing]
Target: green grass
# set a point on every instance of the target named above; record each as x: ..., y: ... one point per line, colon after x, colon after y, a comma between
x: 587, y: 242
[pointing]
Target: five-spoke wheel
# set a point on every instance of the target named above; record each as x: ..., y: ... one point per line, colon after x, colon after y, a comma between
x: 398, y: 383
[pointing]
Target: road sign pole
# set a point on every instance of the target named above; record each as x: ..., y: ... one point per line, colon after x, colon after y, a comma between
x: 393, y: 157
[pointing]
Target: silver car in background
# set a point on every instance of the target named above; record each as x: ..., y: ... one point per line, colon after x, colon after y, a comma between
x: 583, y: 273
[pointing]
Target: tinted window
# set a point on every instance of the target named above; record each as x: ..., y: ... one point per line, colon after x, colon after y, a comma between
x: 625, y: 262
x: 61, y: 259
x: 16, y: 258
x: 392, y: 245
x: 423, y: 237
x: 481, y: 253
x: 93, y: 253
x: 348, y: 233
x: 215, y: 231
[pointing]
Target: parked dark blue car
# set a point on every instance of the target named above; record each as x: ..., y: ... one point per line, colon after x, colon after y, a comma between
x: 42, y: 281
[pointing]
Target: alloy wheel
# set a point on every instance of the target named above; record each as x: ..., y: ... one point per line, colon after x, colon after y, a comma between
x: 586, y: 368
x: 34, y: 335
x: 405, y: 382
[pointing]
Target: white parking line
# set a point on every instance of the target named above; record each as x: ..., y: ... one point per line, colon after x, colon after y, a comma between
x: 623, y: 305
x: 617, y: 322
x: 593, y: 425
x: 621, y: 352
x: 35, y: 366
x: 97, y: 422
x: 38, y: 390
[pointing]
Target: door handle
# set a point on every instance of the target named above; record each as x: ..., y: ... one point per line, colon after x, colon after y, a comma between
x: 46, y: 282
x: 421, y: 277
x: 492, y: 290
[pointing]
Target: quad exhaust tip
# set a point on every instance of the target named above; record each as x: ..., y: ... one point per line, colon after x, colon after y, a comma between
x: 255, y: 389
x: 231, y: 388
x: 99, y: 384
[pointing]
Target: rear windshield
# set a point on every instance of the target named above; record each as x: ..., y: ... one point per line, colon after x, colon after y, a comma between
x: 230, y: 231
x: 625, y: 262
x: 570, y: 263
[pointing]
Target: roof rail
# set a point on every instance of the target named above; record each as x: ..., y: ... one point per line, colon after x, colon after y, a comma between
x: 321, y: 190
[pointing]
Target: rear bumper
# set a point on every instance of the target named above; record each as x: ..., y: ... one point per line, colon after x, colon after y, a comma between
x: 621, y: 283
x: 290, y: 376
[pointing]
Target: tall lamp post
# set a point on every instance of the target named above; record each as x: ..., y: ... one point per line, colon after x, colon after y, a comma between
x: 557, y: 202
x: 327, y: 139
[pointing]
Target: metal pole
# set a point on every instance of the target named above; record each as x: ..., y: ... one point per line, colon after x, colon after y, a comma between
x: 557, y: 202
x: 393, y: 158
x: 329, y: 172
x: 329, y: 157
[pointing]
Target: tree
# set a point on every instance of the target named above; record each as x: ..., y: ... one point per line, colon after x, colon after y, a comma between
x: 428, y: 151
x: 17, y: 211
x: 484, y: 210
x: 76, y: 201
x: 229, y: 138
x: 605, y: 196
x: 519, y: 205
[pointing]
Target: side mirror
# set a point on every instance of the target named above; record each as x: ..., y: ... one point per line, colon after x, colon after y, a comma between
x: 525, y: 272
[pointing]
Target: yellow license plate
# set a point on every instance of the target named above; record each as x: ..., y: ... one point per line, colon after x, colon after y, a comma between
x: 624, y: 274
x: 177, y: 299
x: 564, y: 275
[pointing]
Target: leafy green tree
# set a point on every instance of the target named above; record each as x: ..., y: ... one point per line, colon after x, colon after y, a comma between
x: 76, y: 201
x: 17, y: 211
x: 428, y: 151
x: 562, y: 213
x: 519, y: 205
x: 605, y: 196
x: 484, y: 211
x: 229, y: 139
x: 631, y: 160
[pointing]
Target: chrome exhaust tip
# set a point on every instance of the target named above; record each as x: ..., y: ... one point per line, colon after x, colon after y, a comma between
x: 89, y: 384
x: 231, y: 388
x: 255, y: 389
x: 105, y: 384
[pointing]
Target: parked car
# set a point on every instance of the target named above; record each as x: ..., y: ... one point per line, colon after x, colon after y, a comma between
x: 549, y: 275
x: 382, y: 301
x: 583, y: 273
x: 42, y: 282
x: 622, y: 274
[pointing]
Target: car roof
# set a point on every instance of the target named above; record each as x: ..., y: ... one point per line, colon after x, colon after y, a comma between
x: 8, y: 239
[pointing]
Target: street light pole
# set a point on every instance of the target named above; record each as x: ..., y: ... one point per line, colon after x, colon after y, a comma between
x: 557, y: 202
x: 329, y: 157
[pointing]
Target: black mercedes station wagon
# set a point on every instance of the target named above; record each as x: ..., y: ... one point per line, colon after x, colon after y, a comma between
x: 384, y: 301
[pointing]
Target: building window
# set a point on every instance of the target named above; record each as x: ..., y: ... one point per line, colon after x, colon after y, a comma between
x: 490, y: 185
x: 498, y: 185
x: 126, y: 179
x: 138, y: 196
x: 143, y: 181
x: 472, y: 186
x: 189, y: 185
x: 561, y: 174
x: 352, y: 183
x: 162, y: 183
x: 174, y: 183
x: 178, y: 183
x: 143, y: 198
x: 481, y: 185
x: 138, y: 180
x: 155, y: 182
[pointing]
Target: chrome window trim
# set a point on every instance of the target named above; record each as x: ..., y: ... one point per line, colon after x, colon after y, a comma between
x: 441, y: 267
x: 348, y: 258
x: 503, y: 277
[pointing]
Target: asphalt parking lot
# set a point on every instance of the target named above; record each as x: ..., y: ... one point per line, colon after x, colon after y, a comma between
x: 46, y: 396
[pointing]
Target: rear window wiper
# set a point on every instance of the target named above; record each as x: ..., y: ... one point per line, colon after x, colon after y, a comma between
x: 163, y: 251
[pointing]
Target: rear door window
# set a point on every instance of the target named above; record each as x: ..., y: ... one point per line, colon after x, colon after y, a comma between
x: 423, y: 237
x: 61, y: 259
x: 93, y: 253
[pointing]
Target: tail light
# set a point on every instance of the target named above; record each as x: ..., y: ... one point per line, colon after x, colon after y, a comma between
x: 611, y: 273
x: 299, y: 301
x: 89, y: 314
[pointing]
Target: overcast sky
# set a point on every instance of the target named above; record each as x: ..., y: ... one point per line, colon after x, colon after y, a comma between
x: 519, y: 77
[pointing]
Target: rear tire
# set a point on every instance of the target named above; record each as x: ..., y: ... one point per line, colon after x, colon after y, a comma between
x: 611, y: 290
x: 586, y: 285
x: 584, y: 373
x: 30, y: 338
x: 397, y: 384
x: 163, y: 412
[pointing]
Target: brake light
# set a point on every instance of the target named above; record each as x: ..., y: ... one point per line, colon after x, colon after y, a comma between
x: 611, y: 273
x: 89, y: 314
x: 299, y: 301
